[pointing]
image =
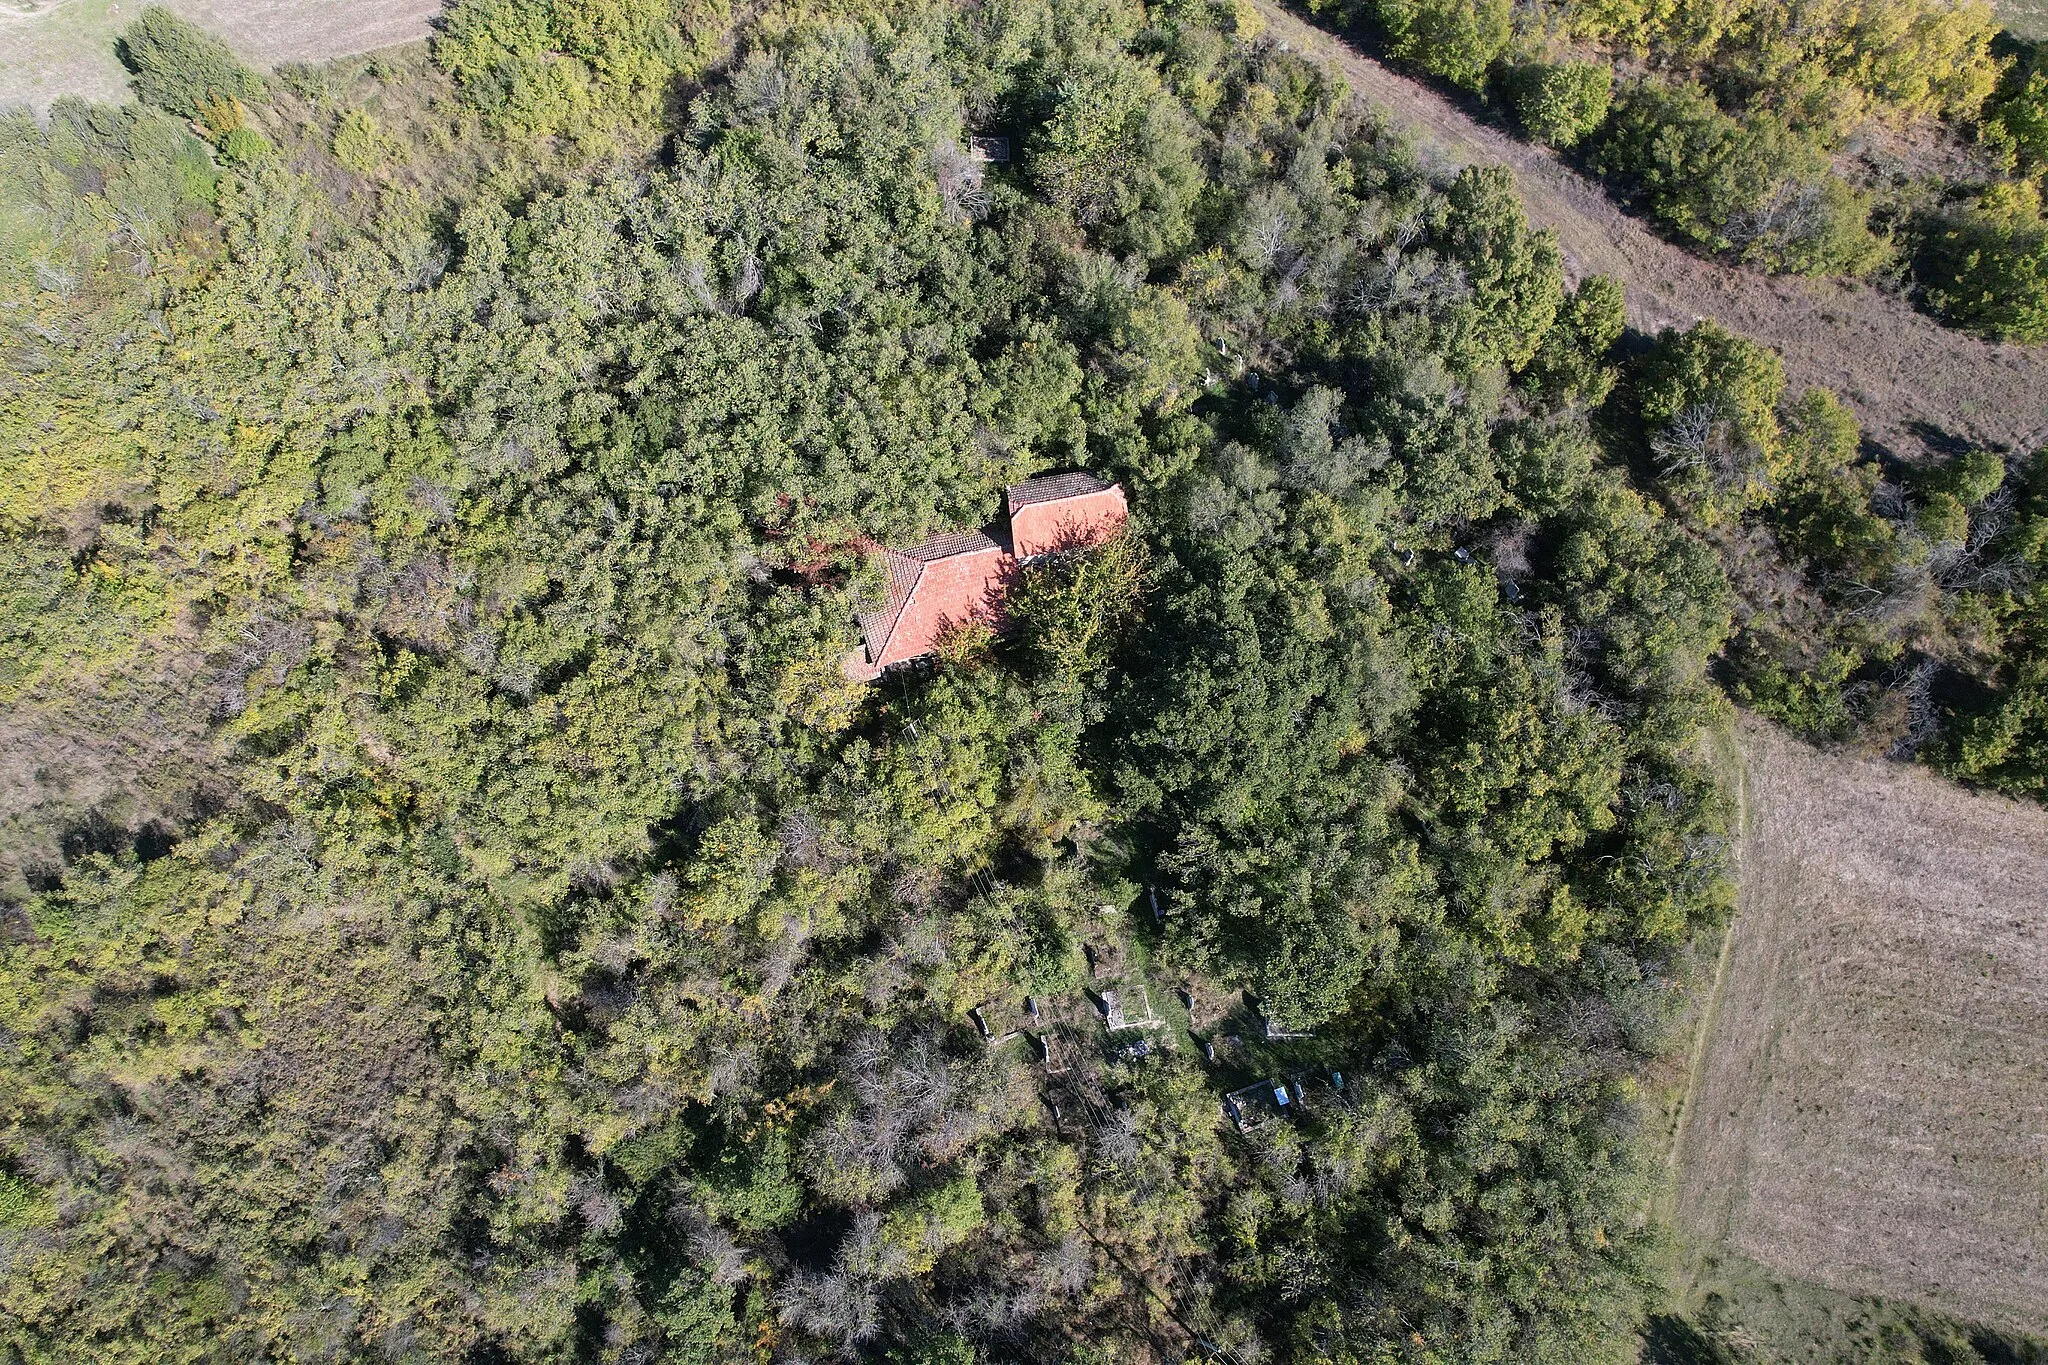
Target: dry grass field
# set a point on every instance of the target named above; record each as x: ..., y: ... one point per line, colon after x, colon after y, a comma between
x: 1871, y: 1108
x: 2028, y: 18
x: 66, y: 47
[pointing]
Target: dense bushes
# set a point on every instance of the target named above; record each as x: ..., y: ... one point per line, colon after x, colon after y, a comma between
x: 1728, y: 139
x: 558, y: 67
x: 1458, y: 40
x: 1985, y: 265
x: 1895, y: 607
x: 1747, y: 186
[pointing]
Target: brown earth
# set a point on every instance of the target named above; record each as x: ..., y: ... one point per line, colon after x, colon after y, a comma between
x: 1871, y: 1109
x: 1913, y: 383
x: 66, y: 47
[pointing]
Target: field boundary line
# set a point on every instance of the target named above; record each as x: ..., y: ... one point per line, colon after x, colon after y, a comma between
x: 1727, y: 740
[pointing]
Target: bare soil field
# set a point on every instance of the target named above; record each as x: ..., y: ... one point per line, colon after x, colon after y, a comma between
x: 1912, y: 382
x: 66, y: 47
x: 1871, y: 1107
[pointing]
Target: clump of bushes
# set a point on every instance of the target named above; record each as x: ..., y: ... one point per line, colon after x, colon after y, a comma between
x: 1459, y: 40
x: 1751, y: 187
x: 535, y: 70
x: 181, y: 69
x: 1985, y: 266
x: 1560, y: 103
x: 2016, y: 119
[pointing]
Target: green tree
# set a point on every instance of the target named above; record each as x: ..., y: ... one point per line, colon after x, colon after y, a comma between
x: 1458, y: 40
x: 1112, y: 154
x: 2017, y: 120
x: 1571, y: 363
x: 1560, y: 103
x: 181, y: 68
x: 1709, y: 400
x: 1517, y: 275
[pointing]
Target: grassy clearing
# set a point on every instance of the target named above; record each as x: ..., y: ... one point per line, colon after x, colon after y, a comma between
x: 2028, y: 18
x: 1741, y: 1313
x: 1671, y: 1084
x: 1867, y: 1141
x: 66, y: 47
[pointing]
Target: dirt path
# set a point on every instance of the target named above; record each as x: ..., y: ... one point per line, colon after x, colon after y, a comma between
x: 1910, y: 380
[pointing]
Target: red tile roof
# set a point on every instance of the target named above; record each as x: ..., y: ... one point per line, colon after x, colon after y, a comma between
x: 1064, y: 512
x: 951, y: 579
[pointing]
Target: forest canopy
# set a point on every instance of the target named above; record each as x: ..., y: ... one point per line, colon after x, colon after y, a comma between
x: 460, y: 908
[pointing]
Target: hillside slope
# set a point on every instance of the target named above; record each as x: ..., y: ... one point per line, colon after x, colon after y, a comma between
x: 1912, y: 382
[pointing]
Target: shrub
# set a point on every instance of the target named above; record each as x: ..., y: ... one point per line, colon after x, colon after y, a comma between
x: 1817, y: 703
x: 1709, y: 399
x: 361, y: 146
x: 1458, y: 40
x: 1561, y: 103
x: 1986, y: 267
x: 179, y: 67
x: 2005, y: 744
x: 1748, y: 186
x: 245, y: 147
x: 22, y: 1205
x: 2018, y: 121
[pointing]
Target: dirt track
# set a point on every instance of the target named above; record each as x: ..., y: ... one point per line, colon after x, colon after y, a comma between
x: 1911, y: 381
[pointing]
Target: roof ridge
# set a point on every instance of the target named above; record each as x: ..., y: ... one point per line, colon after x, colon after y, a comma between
x: 1055, y: 487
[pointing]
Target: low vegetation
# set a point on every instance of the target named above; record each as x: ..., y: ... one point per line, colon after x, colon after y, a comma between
x: 1861, y: 1115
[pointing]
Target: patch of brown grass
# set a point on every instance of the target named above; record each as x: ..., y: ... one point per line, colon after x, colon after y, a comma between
x: 66, y: 47
x: 1872, y: 1104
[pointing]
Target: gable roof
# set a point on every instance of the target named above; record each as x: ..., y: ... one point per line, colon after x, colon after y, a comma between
x: 878, y: 625
x: 1053, y: 487
x: 946, y: 546
x: 940, y: 582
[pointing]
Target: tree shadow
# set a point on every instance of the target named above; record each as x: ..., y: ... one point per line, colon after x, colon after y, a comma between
x: 1671, y: 1340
